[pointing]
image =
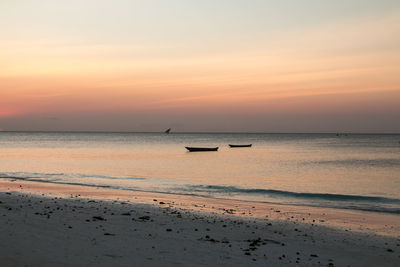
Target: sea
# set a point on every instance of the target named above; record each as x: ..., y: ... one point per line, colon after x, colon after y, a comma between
x: 344, y: 171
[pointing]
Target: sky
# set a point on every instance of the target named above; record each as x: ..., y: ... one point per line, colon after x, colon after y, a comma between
x: 208, y: 66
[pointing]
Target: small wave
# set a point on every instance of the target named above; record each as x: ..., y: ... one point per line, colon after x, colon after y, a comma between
x: 35, y: 175
x: 341, y: 201
x: 30, y: 179
x: 281, y: 193
x: 386, y: 162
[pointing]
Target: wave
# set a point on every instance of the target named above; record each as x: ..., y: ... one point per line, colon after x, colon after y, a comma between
x: 341, y: 201
x: 41, y: 176
x: 55, y: 182
x: 327, y: 200
x: 385, y: 162
x: 282, y: 193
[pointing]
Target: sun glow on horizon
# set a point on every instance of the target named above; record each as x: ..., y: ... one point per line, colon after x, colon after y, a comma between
x: 334, y: 65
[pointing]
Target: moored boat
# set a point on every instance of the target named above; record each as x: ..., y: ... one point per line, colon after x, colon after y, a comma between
x: 199, y: 149
x: 248, y: 145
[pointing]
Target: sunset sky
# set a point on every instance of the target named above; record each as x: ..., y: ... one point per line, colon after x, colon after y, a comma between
x: 227, y: 65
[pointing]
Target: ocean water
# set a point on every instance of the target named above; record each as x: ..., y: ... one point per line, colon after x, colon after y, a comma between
x: 354, y: 171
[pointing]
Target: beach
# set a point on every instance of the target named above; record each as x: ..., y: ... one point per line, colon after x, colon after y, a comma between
x: 46, y: 224
x: 199, y: 133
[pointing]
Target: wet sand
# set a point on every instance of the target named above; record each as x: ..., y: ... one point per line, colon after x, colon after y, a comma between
x: 63, y: 225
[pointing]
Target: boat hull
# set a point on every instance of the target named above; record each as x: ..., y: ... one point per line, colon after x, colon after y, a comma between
x: 249, y: 145
x: 201, y: 149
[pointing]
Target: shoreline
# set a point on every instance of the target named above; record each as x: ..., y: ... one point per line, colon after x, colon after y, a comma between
x: 386, y: 224
x: 47, y: 224
x: 108, y: 187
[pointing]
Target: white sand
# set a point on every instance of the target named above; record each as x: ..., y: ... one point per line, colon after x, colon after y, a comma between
x: 70, y: 231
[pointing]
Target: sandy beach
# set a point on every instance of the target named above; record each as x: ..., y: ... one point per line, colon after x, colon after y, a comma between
x: 199, y: 133
x: 65, y: 225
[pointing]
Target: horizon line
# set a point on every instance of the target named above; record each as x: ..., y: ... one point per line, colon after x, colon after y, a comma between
x: 191, y: 132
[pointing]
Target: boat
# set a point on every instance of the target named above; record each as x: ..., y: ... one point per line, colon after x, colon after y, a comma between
x: 168, y: 130
x: 199, y: 149
x: 248, y: 145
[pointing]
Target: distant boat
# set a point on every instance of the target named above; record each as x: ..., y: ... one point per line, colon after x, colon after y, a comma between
x: 248, y: 145
x: 199, y: 149
x: 167, y: 131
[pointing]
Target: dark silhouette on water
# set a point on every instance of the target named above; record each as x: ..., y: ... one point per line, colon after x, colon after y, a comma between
x: 248, y: 145
x: 200, y: 149
x: 167, y: 131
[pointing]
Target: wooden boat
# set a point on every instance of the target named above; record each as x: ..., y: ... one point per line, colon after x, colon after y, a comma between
x: 199, y: 149
x: 249, y: 145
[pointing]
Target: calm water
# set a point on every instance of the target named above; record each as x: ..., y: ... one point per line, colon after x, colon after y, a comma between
x: 353, y: 172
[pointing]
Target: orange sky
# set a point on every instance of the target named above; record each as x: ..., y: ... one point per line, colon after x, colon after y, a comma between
x: 336, y: 73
